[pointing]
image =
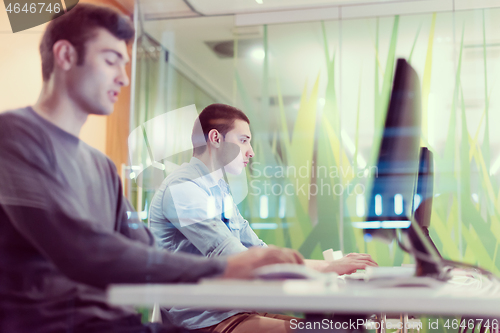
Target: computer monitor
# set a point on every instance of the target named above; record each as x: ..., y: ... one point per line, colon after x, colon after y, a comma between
x: 403, y: 173
x: 392, y: 192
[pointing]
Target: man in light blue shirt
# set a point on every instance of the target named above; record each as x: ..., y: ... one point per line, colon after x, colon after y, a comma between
x: 193, y: 212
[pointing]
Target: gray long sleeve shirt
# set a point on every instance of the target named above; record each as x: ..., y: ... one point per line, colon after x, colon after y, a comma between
x: 65, y: 232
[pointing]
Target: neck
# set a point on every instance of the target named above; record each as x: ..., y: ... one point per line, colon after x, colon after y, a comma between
x: 55, y: 106
x: 208, y: 159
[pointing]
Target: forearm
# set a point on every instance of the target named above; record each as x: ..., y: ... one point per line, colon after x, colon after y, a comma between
x: 92, y: 255
x: 346, y: 265
x: 319, y: 265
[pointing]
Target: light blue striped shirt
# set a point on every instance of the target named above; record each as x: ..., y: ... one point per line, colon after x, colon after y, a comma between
x: 193, y: 212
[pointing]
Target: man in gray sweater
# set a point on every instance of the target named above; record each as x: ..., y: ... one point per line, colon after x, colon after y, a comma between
x: 64, y: 228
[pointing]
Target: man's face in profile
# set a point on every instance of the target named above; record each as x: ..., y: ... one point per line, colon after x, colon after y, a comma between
x: 96, y: 83
x: 236, y: 149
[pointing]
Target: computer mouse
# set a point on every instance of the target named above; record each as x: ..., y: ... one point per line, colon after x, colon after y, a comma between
x: 286, y: 271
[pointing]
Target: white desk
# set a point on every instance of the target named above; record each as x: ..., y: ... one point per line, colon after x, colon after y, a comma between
x: 314, y: 297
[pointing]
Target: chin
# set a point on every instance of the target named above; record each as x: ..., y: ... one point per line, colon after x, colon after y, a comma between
x: 99, y: 110
x: 107, y: 110
x: 233, y: 170
x: 104, y: 111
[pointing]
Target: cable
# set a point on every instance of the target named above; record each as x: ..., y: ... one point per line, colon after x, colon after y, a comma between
x: 419, y: 255
x: 402, y: 246
x: 456, y: 264
x: 192, y: 8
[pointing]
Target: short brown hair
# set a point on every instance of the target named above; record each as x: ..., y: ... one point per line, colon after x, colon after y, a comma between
x: 215, y: 116
x: 78, y: 26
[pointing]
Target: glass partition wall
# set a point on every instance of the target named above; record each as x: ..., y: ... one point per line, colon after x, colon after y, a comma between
x: 316, y: 94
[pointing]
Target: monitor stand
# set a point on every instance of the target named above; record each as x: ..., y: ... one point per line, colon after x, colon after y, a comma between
x: 427, y: 258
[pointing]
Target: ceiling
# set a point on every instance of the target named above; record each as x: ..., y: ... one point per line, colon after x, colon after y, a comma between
x: 217, y: 7
x: 154, y: 9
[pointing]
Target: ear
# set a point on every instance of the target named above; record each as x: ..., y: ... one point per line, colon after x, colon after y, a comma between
x: 214, y: 138
x: 65, y: 55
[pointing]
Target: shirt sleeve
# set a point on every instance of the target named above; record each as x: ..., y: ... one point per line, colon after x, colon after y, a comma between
x: 247, y: 234
x: 44, y: 211
x: 196, y: 215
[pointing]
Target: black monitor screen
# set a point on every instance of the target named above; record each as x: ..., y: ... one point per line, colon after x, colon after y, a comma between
x: 391, y: 198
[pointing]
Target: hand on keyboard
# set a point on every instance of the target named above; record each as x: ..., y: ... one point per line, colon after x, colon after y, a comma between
x: 349, y: 263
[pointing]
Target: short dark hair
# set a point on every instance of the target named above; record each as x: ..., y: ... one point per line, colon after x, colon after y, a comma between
x: 78, y: 26
x: 215, y: 116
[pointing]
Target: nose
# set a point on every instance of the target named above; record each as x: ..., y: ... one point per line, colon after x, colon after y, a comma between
x: 250, y: 152
x: 122, y: 78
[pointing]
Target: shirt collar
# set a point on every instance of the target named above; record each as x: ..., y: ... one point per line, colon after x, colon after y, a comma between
x: 212, y: 179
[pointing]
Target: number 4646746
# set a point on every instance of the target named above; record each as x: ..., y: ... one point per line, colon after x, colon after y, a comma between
x: 33, y: 8
x: 471, y: 323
